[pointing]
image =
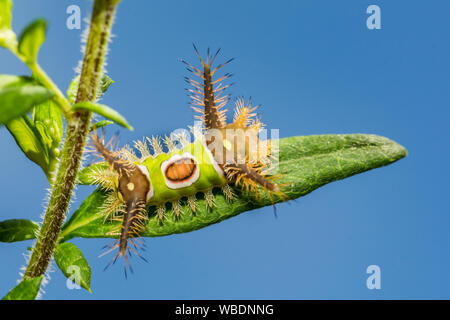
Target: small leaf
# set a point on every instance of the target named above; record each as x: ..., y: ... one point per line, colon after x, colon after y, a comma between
x: 100, y: 124
x: 32, y: 38
x: 7, y: 36
x: 28, y: 139
x: 73, y: 265
x: 73, y: 88
x: 104, y: 85
x: 26, y: 290
x: 86, y: 175
x: 17, y: 230
x: 104, y: 111
x: 18, y: 95
x: 306, y: 164
x: 48, y: 120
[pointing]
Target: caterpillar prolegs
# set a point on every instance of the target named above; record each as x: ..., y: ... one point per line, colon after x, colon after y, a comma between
x: 221, y: 155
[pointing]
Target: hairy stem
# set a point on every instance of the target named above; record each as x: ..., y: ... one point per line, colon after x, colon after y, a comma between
x: 76, y: 133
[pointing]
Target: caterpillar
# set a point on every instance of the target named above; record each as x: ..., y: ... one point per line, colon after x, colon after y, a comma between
x: 222, y: 154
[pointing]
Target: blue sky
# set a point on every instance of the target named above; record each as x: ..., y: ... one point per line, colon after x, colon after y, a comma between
x: 315, y: 68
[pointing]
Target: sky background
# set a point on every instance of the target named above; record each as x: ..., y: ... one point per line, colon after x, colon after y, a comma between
x: 315, y: 68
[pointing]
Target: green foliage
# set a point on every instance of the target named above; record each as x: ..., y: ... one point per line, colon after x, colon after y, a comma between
x: 39, y: 137
x: 73, y: 265
x: 27, y: 138
x: 7, y: 36
x: 104, y: 111
x: 100, y: 124
x: 17, y: 230
x: 18, y: 95
x: 31, y: 39
x: 48, y: 121
x: 306, y: 163
x: 104, y: 85
x: 33, y: 110
x: 73, y: 88
x: 27, y: 289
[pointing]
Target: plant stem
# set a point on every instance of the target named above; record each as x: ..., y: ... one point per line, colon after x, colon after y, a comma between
x: 59, y: 98
x: 43, y: 78
x: 76, y: 133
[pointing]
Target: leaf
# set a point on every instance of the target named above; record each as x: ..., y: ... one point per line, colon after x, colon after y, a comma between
x: 104, y: 85
x: 100, y: 124
x: 48, y: 121
x: 32, y: 38
x: 28, y: 139
x: 18, y: 95
x: 26, y: 290
x: 306, y: 163
x: 73, y: 265
x: 104, y: 111
x: 73, y: 88
x: 40, y: 137
x: 17, y: 230
x: 7, y: 36
x: 86, y: 177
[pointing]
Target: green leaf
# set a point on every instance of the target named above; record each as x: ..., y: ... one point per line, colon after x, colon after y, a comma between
x: 73, y: 265
x: 100, y: 124
x: 306, y: 163
x: 104, y: 111
x: 32, y: 38
x: 48, y: 121
x: 104, y: 85
x: 17, y: 230
x: 7, y: 36
x: 40, y: 137
x: 29, y: 141
x: 18, y: 95
x: 73, y: 88
x: 86, y: 176
x: 26, y: 290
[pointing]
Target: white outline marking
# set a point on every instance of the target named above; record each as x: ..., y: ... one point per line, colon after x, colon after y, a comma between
x: 144, y: 171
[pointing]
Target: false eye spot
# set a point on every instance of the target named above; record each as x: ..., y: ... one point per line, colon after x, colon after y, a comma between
x: 180, y: 171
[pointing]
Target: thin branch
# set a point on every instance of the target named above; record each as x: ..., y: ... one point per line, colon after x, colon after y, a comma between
x: 76, y: 133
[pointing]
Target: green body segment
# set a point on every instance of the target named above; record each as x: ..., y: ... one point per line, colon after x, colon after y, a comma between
x: 208, y: 179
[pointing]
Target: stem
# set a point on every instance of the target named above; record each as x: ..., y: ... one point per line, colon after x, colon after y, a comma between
x: 60, y: 99
x: 44, y: 79
x: 76, y: 133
